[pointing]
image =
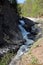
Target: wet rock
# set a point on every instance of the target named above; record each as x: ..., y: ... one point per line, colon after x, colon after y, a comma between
x: 34, y: 30
x: 29, y: 42
x: 30, y: 36
x: 28, y: 23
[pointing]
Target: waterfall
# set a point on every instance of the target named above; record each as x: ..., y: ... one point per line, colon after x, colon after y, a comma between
x: 24, y: 48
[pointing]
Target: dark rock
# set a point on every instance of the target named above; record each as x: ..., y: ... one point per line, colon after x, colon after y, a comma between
x: 30, y: 26
x: 30, y: 36
x: 28, y: 23
x: 9, y: 31
x: 9, y: 19
x: 14, y: 49
x: 34, y: 30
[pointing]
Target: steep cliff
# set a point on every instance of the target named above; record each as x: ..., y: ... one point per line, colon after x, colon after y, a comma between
x: 9, y: 19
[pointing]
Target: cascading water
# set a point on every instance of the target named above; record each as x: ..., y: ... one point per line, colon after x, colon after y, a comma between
x: 24, y: 48
x: 28, y: 42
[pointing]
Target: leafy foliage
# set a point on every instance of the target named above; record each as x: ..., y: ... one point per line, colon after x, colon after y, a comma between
x: 32, y: 8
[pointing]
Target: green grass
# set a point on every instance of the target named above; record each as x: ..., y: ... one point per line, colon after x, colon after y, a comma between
x: 34, y: 60
x: 6, y: 59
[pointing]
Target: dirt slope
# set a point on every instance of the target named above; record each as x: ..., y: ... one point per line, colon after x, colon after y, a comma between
x: 34, y: 56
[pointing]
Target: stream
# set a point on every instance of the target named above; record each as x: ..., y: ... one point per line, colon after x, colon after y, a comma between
x: 29, y: 40
x: 27, y: 36
x: 27, y: 45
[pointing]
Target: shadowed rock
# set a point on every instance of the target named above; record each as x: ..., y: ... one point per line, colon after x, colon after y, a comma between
x: 9, y: 31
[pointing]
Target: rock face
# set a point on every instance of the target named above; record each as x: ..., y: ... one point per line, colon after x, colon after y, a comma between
x: 9, y: 19
x: 10, y: 36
